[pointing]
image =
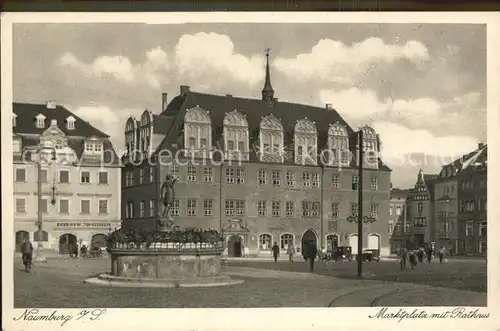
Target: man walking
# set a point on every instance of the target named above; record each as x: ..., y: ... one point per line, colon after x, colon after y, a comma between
x: 403, y: 255
x: 291, y: 252
x: 441, y: 253
x: 27, y: 251
x: 276, y: 252
x: 312, y: 251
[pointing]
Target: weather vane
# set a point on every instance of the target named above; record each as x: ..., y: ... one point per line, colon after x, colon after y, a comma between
x: 267, y: 51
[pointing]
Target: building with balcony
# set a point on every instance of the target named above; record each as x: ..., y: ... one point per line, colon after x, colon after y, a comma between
x: 399, y: 226
x: 461, y: 204
x: 81, y: 187
x: 259, y: 170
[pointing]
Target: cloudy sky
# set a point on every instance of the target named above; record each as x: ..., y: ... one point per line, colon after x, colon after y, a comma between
x: 422, y: 87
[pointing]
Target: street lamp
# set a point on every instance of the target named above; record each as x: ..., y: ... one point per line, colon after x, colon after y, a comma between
x: 39, y: 223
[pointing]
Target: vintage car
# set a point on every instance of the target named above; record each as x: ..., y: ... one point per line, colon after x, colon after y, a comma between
x: 371, y: 255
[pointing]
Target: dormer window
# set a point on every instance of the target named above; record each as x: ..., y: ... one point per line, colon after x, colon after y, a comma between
x: 236, y: 136
x: 70, y: 123
x: 93, y: 147
x: 14, y: 119
x: 271, y: 139
x: 16, y: 146
x: 197, y: 133
x: 306, y: 142
x: 40, y: 121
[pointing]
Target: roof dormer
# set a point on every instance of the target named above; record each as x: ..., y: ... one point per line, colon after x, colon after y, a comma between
x: 70, y: 123
x: 40, y: 121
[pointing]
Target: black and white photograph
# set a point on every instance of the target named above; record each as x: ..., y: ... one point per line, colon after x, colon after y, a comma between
x: 248, y: 164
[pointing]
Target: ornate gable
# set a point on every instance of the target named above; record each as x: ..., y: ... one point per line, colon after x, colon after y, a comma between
x: 305, y: 125
x: 235, y: 118
x: 271, y: 122
x: 197, y: 115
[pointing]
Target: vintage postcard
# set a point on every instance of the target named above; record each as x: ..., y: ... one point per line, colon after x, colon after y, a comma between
x: 330, y: 170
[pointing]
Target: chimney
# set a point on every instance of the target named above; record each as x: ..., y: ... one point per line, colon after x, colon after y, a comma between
x: 328, y: 106
x: 51, y: 105
x: 184, y: 89
x: 480, y: 145
x: 164, y: 101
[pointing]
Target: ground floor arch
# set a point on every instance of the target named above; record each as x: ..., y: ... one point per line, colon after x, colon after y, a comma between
x: 235, y: 246
x: 309, y: 237
x: 286, y: 239
x: 265, y: 242
x: 66, y: 241
x: 20, y: 237
x: 353, y: 242
x: 374, y: 241
x: 98, y: 240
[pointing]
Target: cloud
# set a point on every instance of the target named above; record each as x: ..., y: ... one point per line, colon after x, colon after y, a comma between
x: 212, y: 57
x: 109, y: 121
x: 334, y: 61
x: 402, y: 146
x: 121, y: 68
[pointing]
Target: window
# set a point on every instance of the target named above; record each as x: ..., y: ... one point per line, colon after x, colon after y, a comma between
x: 89, y: 147
x: 129, y: 211
x: 208, y: 175
x: 420, y: 222
x: 103, y: 178
x: 240, y: 207
x: 276, y: 208
x: 286, y: 240
x: 262, y: 177
x: 354, y: 209
x: 374, y: 185
x: 374, y: 211
x: 391, y: 227
x: 85, y: 177
x: 191, y: 207
x: 230, y: 207
x: 262, y: 208
x: 390, y: 209
x: 230, y: 175
x: 103, y: 207
x: 407, y: 227
x: 335, y: 181
x: 446, y: 226
x: 20, y: 205
x: 208, y: 207
x: 230, y: 145
x: 315, y: 180
x: 152, y: 208
x: 483, y: 229
x: 64, y: 206
x: 306, y: 179
x: 192, y: 143
x: 129, y: 178
x: 469, y: 206
x: 265, y: 242
x: 142, y: 208
x: 63, y: 176
x: 276, y: 177
x: 420, y: 207
x: 17, y: 146
x: 310, y: 209
x: 98, y: 148
x: 85, y: 206
x: 175, y: 210
x: 335, y: 210
x: 20, y: 175
x: 241, y: 146
x: 141, y: 176
x: 191, y: 173
x: 289, y: 209
x: 152, y: 174
x: 174, y: 170
x: 355, y: 182
x: 203, y: 143
x: 70, y: 123
x: 290, y: 178
x: 40, y: 121
x: 469, y: 229
x: 240, y: 176
x: 398, y: 210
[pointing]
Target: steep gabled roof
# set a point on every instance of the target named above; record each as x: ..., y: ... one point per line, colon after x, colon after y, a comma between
x: 27, y: 112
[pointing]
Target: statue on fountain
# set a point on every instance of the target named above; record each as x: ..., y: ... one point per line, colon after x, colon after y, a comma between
x: 167, y: 200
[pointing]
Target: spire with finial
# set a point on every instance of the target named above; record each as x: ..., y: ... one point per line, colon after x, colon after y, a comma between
x: 267, y: 91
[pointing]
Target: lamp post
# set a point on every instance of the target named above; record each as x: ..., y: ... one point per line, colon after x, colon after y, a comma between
x: 39, y: 258
x: 360, y: 205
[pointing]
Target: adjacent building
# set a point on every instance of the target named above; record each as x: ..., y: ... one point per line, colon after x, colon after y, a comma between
x: 399, y: 226
x: 80, y: 177
x: 259, y: 170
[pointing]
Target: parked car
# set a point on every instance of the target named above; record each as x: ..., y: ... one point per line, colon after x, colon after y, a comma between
x: 371, y: 255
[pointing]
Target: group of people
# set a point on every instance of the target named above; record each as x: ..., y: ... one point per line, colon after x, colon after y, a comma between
x: 415, y: 256
x: 309, y: 252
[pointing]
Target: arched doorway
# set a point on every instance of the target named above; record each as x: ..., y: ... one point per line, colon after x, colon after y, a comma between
x: 265, y: 242
x: 309, y: 237
x: 65, y: 242
x: 353, y: 242
x: 98, y: 240
x: 332, y: 242
x: 374, y: 241
x: 234, y: 246
x: 20, y: 236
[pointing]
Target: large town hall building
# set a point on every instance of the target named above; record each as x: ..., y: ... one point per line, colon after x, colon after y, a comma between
x: 256, y: 170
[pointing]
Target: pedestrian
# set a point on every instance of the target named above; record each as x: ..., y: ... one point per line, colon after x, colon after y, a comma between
x: 291, y: 252
x: 403, y: 255
x: 413, y: 260
x: 420, y: 255
x: 312, y: 251
x: 429, y: 254
x: 27, y: 254
x: 441, y: 253
x: 276, y: 252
